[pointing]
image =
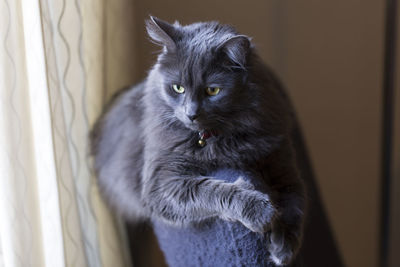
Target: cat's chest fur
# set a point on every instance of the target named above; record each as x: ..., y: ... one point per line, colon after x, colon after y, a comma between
x: 231, y: 150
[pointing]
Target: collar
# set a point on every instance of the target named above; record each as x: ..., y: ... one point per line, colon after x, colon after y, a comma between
x: 204, y: 135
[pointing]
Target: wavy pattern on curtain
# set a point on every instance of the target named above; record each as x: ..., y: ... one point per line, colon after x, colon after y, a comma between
x: 58, y: 61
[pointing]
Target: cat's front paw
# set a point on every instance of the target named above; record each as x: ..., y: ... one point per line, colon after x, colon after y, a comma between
x: 258, y: 213
x: 242, y: 183
x: 283, y: 246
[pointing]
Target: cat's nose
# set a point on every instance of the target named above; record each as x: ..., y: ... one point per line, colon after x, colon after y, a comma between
x: 192, y: 110
x: 192, y: 117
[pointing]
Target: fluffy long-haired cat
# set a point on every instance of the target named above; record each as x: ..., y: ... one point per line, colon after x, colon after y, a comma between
x: 208, y: 103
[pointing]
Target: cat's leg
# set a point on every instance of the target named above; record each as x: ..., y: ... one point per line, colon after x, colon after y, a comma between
x: 182, y: 199
x: 289, y: 198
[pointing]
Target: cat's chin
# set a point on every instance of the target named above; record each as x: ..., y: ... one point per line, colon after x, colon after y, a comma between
x: 194, y: 127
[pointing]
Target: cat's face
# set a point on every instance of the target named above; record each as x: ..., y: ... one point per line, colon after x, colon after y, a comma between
x: 203, y: 70
x: 201, y: 93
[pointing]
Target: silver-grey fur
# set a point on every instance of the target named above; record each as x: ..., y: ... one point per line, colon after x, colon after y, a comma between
x: 146, y: 154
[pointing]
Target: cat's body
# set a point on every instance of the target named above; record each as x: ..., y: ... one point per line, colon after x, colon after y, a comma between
x: 147, y: 153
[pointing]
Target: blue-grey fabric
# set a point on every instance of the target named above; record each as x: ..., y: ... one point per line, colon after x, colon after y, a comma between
x: 215, y: 242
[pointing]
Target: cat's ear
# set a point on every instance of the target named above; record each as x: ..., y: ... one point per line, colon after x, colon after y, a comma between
x: 162, y: 33
x: 237, y: 49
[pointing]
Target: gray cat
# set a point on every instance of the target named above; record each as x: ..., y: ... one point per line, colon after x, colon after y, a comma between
x: 208, y: 103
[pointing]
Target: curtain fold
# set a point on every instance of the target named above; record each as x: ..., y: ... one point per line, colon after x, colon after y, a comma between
x: 55, y: 76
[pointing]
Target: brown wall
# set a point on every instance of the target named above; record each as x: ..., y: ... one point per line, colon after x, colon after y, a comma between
x: 395, y: 203
x: 329, y: 54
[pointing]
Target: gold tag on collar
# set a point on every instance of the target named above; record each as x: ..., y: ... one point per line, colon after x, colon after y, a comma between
x: 202, y: 142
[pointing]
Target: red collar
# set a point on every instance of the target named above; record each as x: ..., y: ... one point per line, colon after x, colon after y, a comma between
x: 204, y: 135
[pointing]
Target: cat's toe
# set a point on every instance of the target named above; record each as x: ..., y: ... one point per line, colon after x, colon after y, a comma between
x: 258, y: 215
x: 283, y: 247
x: 281, y: 258
x: 242, y: 183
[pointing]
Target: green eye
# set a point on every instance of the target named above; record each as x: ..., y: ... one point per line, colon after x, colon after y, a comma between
x: 178, y: 88
x: 213, y: 90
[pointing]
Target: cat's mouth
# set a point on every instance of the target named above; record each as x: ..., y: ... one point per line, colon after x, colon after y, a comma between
x: 194, y: 126
x: 199, y: 125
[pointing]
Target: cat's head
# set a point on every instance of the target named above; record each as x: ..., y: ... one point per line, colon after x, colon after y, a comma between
x: 204, y: 69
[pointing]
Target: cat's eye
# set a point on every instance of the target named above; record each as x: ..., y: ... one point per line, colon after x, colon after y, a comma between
x: 213, y: 90
x: 178, y: 88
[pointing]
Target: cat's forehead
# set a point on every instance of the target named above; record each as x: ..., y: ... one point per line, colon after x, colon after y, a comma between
x: 204, y: 36
x: 197, y: 58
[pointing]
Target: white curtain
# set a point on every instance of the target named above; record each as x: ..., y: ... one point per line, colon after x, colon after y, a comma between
x: 59, y: 62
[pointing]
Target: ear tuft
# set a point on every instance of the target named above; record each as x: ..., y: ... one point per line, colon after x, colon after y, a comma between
x: 162, y: 33
x: 237, y: 49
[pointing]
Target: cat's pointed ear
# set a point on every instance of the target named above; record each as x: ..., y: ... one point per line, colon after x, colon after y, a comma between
x: 162, y: 33
x: 237, y: 49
